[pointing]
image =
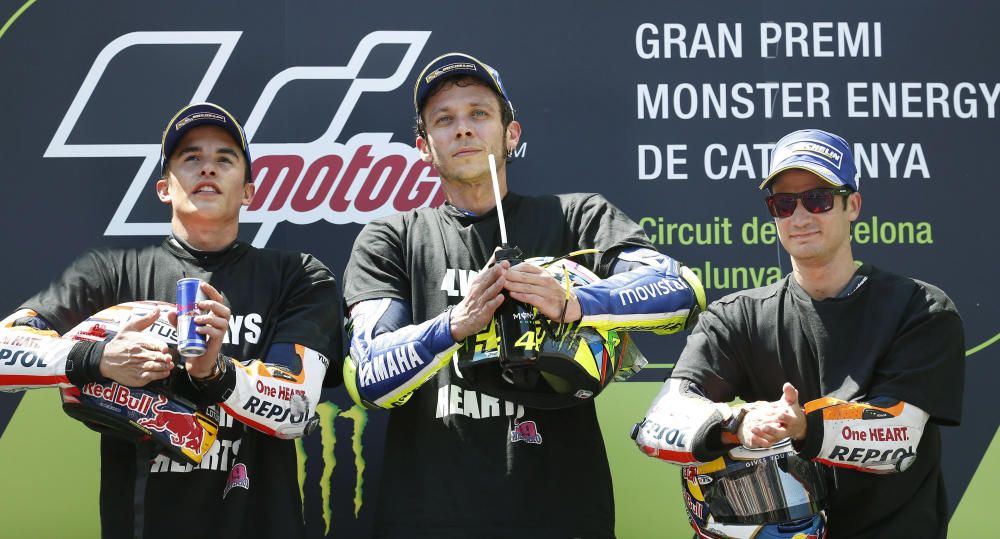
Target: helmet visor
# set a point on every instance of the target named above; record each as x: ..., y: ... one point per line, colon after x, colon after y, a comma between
x: 768, y: 490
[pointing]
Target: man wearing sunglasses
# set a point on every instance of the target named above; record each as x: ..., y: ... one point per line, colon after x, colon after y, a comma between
x: 876, y: 358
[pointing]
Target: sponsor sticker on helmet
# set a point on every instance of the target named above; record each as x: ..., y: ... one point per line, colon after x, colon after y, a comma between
x: 238, y: 477
x: 184, y: 429
x: 526, y: 431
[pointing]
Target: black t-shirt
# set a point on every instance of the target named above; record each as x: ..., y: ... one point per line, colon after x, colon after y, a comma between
x: 893, y: 336
x: 275, y: 297
x: 452, y: 466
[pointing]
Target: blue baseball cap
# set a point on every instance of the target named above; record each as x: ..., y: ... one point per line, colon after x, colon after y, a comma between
x: 824, y: 154
x: 456, y: 64
x: 197, y: 114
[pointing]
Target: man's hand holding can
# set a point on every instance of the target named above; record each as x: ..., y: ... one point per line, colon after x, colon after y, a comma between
x: 202, y: 320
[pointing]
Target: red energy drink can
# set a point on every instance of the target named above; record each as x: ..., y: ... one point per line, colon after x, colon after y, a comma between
x: 190, y: 343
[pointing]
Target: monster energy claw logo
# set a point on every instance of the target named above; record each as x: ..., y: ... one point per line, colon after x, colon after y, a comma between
x: 329, y: 413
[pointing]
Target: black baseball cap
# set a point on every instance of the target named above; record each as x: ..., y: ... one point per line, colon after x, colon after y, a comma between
x: 197, y: 114
x: 456, y: 64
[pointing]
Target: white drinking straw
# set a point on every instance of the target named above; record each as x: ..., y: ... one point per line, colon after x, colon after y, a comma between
x: 496, y: 195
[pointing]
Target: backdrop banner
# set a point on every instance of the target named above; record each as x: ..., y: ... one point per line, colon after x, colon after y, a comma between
x: 670, y: 110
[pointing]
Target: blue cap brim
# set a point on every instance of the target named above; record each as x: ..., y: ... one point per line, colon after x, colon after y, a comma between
x: 807, y: 163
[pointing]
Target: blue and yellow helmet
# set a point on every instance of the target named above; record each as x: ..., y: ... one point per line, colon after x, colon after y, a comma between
x: 571, y: 364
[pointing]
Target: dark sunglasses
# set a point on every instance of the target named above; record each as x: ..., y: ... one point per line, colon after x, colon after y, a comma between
x: 814, y: 201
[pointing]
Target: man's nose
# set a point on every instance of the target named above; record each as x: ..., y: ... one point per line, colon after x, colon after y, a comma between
x: 464, y: 128
x: 208, y: 169
x: 801, y: 214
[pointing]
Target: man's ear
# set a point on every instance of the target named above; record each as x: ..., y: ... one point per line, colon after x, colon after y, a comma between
x: 853, y: 206
x: 249, y: 190
x: 513, y: 135
x: 425, y: 149
x: 163, y: 190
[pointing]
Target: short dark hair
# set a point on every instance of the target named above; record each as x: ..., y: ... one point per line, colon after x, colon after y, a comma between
x: 506, y: 114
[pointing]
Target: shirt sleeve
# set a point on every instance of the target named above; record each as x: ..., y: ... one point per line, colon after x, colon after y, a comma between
x: 711, y: 357
x: 377, y: 268
x: 600, y: 225
x: 311, y: 315
x: 83, y: 289
x: 925, y: 364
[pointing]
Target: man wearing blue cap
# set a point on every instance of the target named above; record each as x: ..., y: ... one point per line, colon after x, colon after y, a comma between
x: 876, y: 358
x: 464, y: 456
x: 271, y: 320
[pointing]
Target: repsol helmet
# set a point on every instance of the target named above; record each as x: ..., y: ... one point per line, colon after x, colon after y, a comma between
x: 158, y: 413
x: 568, y: 364
x: 756, y: 493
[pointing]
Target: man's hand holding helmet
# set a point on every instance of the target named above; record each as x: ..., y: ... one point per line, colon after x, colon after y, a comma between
x: 133, y: 357
x: 537, y: 287
x: 476, y: 309
x: 767, y: 423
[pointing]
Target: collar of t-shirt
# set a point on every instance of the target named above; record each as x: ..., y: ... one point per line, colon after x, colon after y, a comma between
x: 855, y: 284
x: 466, y: 217
x: 205, y: 259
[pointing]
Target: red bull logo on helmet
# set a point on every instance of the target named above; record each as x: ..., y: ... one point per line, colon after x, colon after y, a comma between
x: 120, y: 395
x: 184, y: 429
x: 695, y: 508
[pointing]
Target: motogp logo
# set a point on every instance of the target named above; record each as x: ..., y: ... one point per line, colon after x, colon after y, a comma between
x: 339, y: 181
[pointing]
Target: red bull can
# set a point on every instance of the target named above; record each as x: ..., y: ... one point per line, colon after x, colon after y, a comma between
x: 190, y: 343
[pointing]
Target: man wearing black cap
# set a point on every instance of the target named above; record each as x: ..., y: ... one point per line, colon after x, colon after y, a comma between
x: 271, y: 320
x: 876, y: 358
x: 461, y: 461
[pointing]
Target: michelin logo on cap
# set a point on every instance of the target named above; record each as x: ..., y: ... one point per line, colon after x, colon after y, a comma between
x: 817, y: 148
x: 198, y: 116
x: 809, y: 146
x: 450, y: 67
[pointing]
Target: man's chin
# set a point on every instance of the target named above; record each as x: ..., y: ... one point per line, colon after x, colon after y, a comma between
x: 807, y: 253
x: 468, y: 177
x: 203, y: 210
